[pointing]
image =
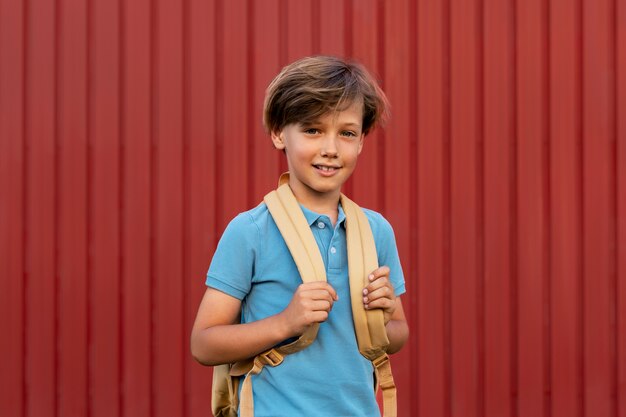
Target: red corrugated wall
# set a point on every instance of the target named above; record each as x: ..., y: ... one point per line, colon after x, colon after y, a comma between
x: 130, y: 135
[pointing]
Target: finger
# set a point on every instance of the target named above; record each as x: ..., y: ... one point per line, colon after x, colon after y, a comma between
x: 332, y: 292
x: 376, y: 284
x: 379, y: 272
x: 382, y: 287
x: 321, y: 305
x: 320, y: 285
x: 313, y: 285
x: 318, y: 295
x: 382, y: 292
x: 383, y: 303
x: 317, y: 316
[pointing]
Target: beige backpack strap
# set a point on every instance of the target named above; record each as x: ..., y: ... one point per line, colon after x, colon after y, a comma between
x: 297, y: 234
x: 369, y: 325
x: 270, y: 358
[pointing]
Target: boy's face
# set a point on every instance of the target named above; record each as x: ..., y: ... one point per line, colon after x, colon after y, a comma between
x: 322, y: 155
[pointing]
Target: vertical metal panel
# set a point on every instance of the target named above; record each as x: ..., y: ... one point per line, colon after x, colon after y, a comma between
x: 598, y: 228
x: 620, y: 209
x: 41, y: 211
x: 104, y: 175
x: 332, y: 27
x: 136, y: 216
x: 533, y: 339
x: 499, y: 207
x: 137, y: 251
x: 130, y: 135
x: 71, y: 196
x: 12, y: 194
x: 300, y: 28
x: 432, y: 188
x: 565, y: 202
x: 465, y: 199
x: 167, y: 174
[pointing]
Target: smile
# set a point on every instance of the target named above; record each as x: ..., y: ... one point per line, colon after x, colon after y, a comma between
x: 326, y: 168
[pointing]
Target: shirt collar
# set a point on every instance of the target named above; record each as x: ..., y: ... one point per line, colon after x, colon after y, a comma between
x: 312, y: 217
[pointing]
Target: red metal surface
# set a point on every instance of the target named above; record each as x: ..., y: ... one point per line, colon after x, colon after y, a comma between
x: 130, y: 134
x: 137, y: 373
x: 566, y: 210
x: 499, y: 170
x: 72, y: 249
x: 466, y: 331
x: 533, y: 210
x: 41, y: 381
x: 12, y: 215
x: 619, y: 159
x: 598, y: 223
x: 431, y: 281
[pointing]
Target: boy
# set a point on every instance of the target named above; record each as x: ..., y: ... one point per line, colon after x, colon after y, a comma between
x: 317, y: 111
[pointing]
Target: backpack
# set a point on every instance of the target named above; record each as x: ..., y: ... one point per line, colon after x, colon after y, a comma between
x: 369, y: 325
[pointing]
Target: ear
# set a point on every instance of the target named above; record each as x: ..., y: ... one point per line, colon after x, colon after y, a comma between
x: 278, y: 140
x: 361, y: 139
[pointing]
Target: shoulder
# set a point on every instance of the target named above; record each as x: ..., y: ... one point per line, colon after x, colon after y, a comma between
x: 250, y: 220
x: 260, y: 218
x: 235, y: 259
x: 242, y: 232
x: 253, y: 227
x: 379, y: 224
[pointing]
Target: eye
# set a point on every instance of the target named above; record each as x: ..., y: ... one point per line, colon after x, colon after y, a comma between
x: 349, y: 134
x: 311, y: 131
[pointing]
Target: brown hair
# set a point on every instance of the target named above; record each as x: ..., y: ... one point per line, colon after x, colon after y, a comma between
x: 311, y: 87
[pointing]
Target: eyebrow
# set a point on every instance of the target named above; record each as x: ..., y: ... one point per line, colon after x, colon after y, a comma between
x: 317, y: 122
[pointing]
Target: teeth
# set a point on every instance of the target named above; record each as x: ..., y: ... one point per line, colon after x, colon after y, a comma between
x: 325, y: 168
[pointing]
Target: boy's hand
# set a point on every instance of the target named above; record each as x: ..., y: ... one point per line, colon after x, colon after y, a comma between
x: 379, y: 293
x: 311, y: 303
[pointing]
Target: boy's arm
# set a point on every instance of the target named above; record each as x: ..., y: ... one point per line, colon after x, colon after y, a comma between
x: 217, y: 337
x: 397, y: 328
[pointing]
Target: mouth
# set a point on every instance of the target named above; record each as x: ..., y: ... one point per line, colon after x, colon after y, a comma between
x: 327, y: 168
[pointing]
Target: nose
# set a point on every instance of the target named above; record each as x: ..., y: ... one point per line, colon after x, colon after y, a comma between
x: 329, y: 146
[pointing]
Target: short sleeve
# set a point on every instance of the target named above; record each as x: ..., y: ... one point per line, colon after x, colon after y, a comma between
x: 232, y: 266
x: 387, y: 249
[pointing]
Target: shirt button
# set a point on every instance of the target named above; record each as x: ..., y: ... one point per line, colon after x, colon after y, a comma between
x: 333, y: 250
x: 321, y: 225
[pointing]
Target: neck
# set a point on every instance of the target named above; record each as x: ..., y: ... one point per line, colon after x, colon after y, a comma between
x: 326, y: 203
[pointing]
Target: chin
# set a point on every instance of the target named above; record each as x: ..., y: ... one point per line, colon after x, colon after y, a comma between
x: 326, y: 188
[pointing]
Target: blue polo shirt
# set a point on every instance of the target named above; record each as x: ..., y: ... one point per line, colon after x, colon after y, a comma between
x: 252, y: 263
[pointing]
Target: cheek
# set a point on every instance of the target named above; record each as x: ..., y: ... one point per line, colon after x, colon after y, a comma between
x: 299, y: 153
x: 351, y: 154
